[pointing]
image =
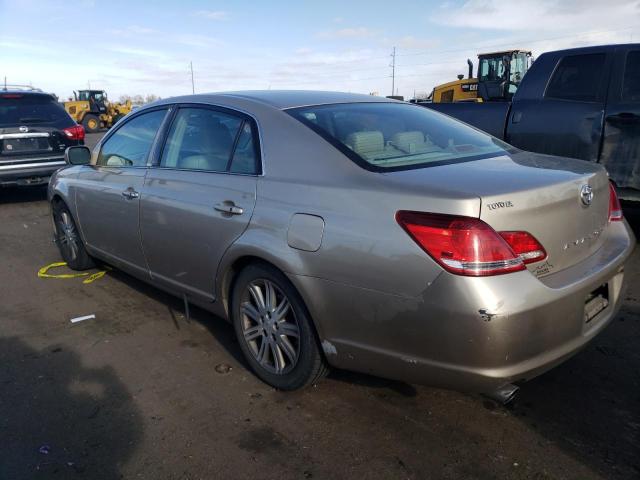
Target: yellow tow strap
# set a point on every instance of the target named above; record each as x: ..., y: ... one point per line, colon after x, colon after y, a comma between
x: 90, y: 277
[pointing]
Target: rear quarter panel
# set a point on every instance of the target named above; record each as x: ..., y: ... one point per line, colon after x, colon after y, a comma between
x: 362, y: 244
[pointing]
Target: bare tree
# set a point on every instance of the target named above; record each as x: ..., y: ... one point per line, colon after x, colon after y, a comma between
x: 139, y: 99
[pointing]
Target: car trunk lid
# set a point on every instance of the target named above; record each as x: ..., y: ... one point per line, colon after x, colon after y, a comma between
x: 538, y: 194
x: 569, y: 229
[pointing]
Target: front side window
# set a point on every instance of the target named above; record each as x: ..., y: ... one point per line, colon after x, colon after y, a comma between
x: 492, y: 69
x: 577, y: 77
x: 204, y: 139
x: 631, y: 83
x: 394, y: 136
x: 129, y: 146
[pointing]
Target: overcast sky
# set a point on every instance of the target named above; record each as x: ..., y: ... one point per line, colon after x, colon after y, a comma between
x: 135, y: 47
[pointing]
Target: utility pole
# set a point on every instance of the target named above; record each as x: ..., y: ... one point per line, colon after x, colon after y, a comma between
x: 393, y: 71
x: 193, y: 87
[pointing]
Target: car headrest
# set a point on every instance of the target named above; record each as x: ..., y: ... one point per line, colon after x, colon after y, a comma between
x: 410, y: 142
x: 366, y: 144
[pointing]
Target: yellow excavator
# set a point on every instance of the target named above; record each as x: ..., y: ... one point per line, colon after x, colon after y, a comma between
x: 93, y: 110
x: 498, y: 77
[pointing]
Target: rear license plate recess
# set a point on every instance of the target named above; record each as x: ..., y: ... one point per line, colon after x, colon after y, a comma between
x: 596, y: 302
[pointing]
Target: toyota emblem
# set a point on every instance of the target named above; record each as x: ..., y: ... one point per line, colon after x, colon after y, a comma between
x: 586, y: 194
x: 23, y: 129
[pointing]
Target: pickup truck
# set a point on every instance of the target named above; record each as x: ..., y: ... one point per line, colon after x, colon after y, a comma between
x: 582, y: 103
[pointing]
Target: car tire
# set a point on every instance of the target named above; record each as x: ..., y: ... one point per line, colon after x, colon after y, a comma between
x: 91, y: 123
x: 274, y: 329
x: 68, y: 239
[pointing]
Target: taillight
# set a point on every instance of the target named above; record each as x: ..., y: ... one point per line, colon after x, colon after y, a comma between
x: 615, y: 210
x: 461, y: 245
x: 525, y: 246
x: 74, y: 133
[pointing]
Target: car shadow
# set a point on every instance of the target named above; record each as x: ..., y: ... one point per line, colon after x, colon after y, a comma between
x: 219, y: 328
x: 225, y: 335
x: 23, y: 194
x: 590, y: 406
x: 61, y: 419
x: 631, y: 211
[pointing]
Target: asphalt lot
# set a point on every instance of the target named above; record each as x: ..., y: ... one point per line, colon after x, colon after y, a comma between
x: 141, y: 392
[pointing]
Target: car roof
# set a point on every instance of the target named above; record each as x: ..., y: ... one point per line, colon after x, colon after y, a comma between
x: 283, y: 99
x: 592, y: 48
x: 25, y: 93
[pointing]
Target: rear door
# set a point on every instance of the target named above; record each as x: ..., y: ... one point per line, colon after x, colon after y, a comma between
x: 108, y: 193
x: 200, y: 197
x: 621, y: 143
x: 567, y: 120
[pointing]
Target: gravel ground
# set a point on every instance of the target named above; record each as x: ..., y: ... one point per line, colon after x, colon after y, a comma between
x: 142, y: 392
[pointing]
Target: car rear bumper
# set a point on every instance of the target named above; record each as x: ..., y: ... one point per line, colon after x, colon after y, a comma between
x: 474, y: 334
x: 30, y: 172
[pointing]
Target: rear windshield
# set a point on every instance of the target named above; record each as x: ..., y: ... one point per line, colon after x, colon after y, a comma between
x: 397, y: 136
x: 18, y: 109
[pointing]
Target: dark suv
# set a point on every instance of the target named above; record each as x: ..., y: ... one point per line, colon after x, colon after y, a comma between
x: 35, y: 131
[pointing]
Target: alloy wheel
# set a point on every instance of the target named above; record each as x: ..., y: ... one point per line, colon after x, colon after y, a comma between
x: 269, y: 326
x: 68, y: 235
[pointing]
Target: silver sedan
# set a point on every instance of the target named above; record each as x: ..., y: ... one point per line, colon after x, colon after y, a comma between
x: 353, y: 231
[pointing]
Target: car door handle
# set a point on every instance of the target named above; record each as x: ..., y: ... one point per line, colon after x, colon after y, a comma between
x: 130, y: 194
x: 517, y: 116
x: 229, y: 207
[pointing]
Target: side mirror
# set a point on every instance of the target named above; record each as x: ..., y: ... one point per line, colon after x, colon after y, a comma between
x: 77, y: 155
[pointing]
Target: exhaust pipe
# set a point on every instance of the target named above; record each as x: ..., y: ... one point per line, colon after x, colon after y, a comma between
x: 470, y: 63
x: 504, y: 394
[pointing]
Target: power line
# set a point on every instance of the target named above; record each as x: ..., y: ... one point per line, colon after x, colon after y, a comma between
x: 520, y: 41
x: 393, y: 55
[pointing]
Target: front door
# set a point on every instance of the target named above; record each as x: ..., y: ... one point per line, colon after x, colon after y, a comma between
x: 621, y: 144
x: 200, y: 197
x: 108, y: 193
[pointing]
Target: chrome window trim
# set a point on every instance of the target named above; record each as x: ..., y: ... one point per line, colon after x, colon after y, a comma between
x: 31, y: 165
x: 30, y: 159
x: 6, y: 136
x: 195, y: 170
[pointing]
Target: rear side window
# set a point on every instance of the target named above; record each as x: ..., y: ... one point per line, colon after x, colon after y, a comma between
x: 130, y: 145
x: 578, y: 78
x: 210, y: 140
x: 631, y: 82
x: 20, y: 109
x: 245, y: 157
x: 397, y: 136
